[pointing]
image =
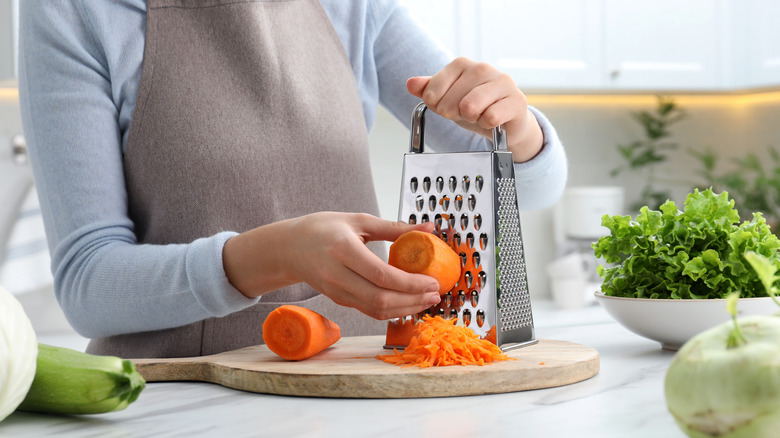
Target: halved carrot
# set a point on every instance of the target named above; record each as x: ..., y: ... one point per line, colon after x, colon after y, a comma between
x: 297, y: 333
x: 419, y: 252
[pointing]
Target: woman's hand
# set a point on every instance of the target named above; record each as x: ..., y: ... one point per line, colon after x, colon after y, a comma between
x: 328, y: 251
x: 478, y: 97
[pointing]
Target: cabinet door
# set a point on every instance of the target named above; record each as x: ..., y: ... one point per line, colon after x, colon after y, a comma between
x: 761, y: 52
x: 664, y: 44
x: 543, y: 44
x: 450, y: 22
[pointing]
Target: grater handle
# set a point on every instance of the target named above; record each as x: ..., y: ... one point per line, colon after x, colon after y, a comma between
x: 417, y: 143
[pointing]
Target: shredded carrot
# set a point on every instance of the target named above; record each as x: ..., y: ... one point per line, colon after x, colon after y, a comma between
x: 439, y: 342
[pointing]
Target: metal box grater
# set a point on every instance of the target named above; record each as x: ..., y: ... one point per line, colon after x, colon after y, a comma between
x: 471, y: 197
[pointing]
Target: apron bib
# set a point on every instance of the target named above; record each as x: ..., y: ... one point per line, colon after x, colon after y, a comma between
x: 247, y: 113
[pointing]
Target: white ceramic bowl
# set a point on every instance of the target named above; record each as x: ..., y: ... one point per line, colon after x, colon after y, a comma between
x: 672, y: 322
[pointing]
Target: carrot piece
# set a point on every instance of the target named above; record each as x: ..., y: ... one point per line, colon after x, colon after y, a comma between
x: 491, y: 335
x: 399, y: 333
x: 297, y: 333
x: 425, y: 253
x: 440, y: 342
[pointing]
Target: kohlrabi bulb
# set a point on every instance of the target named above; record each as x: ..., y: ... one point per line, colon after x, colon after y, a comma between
x: 713, y: 389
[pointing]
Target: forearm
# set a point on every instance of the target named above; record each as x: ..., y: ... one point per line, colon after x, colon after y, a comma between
x: 254, y: 262
x: 110, y: 286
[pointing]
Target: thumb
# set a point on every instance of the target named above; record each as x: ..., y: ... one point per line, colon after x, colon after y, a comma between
x: 417, y: 84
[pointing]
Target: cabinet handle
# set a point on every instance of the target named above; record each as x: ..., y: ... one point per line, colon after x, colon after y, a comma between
x: 19, y: 149
x: 614, y: 74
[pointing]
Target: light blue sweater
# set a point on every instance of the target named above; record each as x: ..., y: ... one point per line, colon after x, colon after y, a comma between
x: 79, y: 70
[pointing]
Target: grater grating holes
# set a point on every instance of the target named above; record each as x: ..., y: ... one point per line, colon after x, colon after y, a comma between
x: 472, y: 202
x: 462, y: 227
x: 474, y: 298
x: 514, y: 300
x: 483, y: 241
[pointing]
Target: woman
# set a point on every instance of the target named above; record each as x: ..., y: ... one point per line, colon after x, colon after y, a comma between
x: 200, y: 162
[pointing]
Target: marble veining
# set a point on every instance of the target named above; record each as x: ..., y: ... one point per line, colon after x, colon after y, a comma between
x: 626, y: 399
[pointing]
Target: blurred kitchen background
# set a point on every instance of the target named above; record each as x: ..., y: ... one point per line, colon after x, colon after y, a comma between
x: 607, y: 73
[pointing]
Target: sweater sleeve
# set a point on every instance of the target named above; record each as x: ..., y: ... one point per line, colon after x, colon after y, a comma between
x: 403, y: 49
x: 104, y: 280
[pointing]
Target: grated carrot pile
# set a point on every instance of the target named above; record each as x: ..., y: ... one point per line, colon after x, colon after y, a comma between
x: 439, y: 342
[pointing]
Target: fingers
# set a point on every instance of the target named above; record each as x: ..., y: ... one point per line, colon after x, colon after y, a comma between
x: 473, y: 92
x: 416, y: 85
x: 351, y: 289
x: 348, y: 272
x: 491, y: 103
x: 439, y: 86
x: 372, y: 228
x: 391, y: 292
x: 360, y: 279
x: 365, y: 263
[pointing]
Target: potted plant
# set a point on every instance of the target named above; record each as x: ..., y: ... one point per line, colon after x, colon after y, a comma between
x: 646, y: 155
x: 754, y: 183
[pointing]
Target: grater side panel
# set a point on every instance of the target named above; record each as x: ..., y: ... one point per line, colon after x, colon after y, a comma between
x: 455, y: 191
x: 515, y: 317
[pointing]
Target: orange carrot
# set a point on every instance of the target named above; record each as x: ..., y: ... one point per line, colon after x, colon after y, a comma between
x: 399, y: 333
x: 297, y: 333
x: 439, y: 342
x: 491, y: 335
x: 425, y: 253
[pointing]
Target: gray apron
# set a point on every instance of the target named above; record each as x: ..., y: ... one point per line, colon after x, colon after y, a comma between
x: 247, y: 113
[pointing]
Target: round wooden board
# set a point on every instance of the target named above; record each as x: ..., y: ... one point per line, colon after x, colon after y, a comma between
x: 350, y: 369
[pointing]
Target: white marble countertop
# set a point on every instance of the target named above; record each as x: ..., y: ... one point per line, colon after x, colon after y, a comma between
x: 625, y: 399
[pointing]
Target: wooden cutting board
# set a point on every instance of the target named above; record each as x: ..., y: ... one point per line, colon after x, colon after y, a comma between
x: 350, y: 369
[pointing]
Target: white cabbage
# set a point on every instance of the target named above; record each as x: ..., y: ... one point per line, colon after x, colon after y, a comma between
x: 18, y: 353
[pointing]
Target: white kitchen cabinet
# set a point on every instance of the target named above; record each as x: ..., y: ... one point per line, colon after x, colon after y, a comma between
x: 664, y: 44
x: 615, y: 45
x: 547, y: 44
x: 452, y: 23
x: 606, y: 45
x: 758, y: 57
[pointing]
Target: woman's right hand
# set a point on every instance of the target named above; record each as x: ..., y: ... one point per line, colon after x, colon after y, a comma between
x: 328, y: 251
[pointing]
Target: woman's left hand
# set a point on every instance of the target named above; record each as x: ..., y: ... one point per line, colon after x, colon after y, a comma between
x: 478, y: 97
